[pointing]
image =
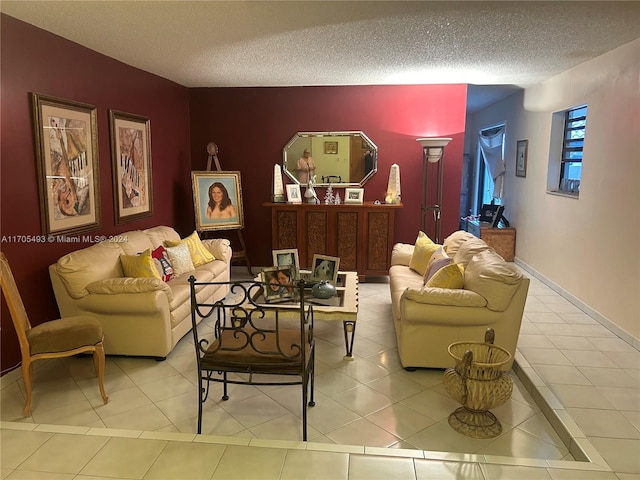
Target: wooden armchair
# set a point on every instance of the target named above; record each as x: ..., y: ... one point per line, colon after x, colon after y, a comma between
x: 250, y: 338
x: 53, y: 339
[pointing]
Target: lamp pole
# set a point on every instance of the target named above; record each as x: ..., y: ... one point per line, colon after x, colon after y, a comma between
x: 433, y: 152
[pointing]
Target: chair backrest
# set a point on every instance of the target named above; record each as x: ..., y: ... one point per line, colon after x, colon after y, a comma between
x: 245, y: 326
x: 14, y: 302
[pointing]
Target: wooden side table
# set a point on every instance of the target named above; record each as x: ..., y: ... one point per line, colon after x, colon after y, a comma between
x: 501, y: 239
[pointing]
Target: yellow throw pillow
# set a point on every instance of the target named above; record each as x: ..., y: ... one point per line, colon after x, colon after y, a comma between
x: 451, y: 276
x: 199, y: 253
x: 180, y: 259
x: 422, y: 251
x: 139, y: 266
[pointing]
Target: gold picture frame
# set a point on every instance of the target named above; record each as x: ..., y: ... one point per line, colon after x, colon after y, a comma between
x: 131, y: 166
x: 217, y: 199
x: 66, y: 148
x: 331, y: 148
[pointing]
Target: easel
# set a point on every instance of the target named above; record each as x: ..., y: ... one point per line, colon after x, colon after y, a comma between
x: 212, y: 151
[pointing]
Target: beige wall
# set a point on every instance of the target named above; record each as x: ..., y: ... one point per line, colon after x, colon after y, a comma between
x: 586, y: 248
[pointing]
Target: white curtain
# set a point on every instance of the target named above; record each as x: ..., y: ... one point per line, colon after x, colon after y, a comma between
x: 491, y: 148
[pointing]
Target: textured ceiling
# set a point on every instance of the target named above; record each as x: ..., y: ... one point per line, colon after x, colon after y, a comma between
x: 272, y: 43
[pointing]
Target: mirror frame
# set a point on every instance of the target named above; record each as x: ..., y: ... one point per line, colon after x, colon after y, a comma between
x: 292, y: 176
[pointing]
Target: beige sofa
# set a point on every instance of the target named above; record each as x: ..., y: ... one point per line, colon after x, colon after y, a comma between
x: 139, y: 316
x: 428, y: 319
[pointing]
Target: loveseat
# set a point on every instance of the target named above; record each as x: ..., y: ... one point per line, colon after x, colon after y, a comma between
x: 146, y: 312
x: 489, y: 293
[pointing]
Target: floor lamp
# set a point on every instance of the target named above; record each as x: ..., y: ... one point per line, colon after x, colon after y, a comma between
x: 433, y: 149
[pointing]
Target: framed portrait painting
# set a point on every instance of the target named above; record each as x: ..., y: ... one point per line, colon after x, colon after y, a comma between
x: 521, y: 158
x: 66, y: 142
x: 131, y: 165
x: 217, y: 198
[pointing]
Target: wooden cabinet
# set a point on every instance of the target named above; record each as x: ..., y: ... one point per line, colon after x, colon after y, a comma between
x: 361, y: 235
x: 502, y: 240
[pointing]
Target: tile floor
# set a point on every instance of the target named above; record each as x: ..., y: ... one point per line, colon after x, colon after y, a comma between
x: 576, y: 396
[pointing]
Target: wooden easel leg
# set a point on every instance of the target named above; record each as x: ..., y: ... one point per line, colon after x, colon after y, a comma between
x: 242, y: 253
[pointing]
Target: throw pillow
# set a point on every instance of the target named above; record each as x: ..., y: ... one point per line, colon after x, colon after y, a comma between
x: 436, y: 265
x: 139, y: 266
x: 161, y: 260
x: 422, y: 251
x: 450, y: 276
x: 199, y: 253
x: 180, y: 259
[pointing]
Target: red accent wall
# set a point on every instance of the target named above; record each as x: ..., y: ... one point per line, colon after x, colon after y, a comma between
x: 34, y: 60
x: 252, y: 125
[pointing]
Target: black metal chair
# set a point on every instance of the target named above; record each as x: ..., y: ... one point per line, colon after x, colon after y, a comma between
x: 250, y: 337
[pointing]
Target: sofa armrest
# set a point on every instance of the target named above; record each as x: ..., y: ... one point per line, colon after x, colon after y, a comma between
x: 129, y: 285
x: 219, y: 248
x: 444, y: 296
x: 401, y: 254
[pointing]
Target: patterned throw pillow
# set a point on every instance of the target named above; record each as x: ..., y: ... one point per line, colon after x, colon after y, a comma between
x: 162, y: 263
x: 180, y: 259
x: 435, y: 265
x: 422, y: 251
x: 199, y: 253
x: 139, y: 266
x: 451, y: 276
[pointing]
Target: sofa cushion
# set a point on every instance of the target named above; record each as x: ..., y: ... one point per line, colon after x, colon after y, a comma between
x: 180, y: 259
x: 134, y: 242
x: 199, y: 254
x: 490, y: 276
x: 445, y: 296
x: 158, y: 235
x: 450, y: 276
x: 97, y: 262
x: 422, y: 251
x: 401, y: 254
x: 139, y: 266
x: 129, y: 285
x: 468, y: 249
x: 163, y: 264
x: 436, y: 263
x: 453, y: 241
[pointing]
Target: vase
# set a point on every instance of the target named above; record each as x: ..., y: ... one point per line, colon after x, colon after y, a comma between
x: 323, y: 289
x: 479, y: 384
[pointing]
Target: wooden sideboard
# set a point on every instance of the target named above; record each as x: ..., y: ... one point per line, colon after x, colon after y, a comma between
x: 502, y: 240
x: 360, y: 235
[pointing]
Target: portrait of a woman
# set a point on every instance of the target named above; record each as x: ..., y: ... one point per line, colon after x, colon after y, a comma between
x: 219, y: 206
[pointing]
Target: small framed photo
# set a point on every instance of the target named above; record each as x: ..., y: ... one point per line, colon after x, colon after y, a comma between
x: 354, y: 195
x: 217, y: 198
x: 521, y: 158
x: 131, y: 165
x: 286, y: 257
x: 293, y: 193
x: 279, y: 283
x: 331, y: 148
x: 325, y: 267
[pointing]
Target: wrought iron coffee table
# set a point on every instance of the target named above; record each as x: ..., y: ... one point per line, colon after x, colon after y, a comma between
x: 343, y: 306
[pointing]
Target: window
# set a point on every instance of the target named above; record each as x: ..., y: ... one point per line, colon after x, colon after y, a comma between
x: 575, y: 122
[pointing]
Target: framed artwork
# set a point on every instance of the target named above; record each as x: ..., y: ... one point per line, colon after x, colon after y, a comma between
x: 354, y: 195
x: 131, y: 165
x: 279, y: 282
x: 330, y: 148
x: 286, y: 257
x: 521, y: 158
x: 66, y: 142
x: 217, y: 198
x: 293, y: 193
x: 324, y: 267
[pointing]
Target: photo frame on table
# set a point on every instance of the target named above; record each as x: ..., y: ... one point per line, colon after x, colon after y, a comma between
x: 293, y: 193
x: 217, y: 198
x: 279, y: 282
x: 131, y: 165
x: 354, y: 195
x: 66, y: 143
x: 286, y: 257
x: 522, y: 147
x: 325, y: 267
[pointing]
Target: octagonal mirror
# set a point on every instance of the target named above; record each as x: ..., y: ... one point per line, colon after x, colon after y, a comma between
x: 340, y: 158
